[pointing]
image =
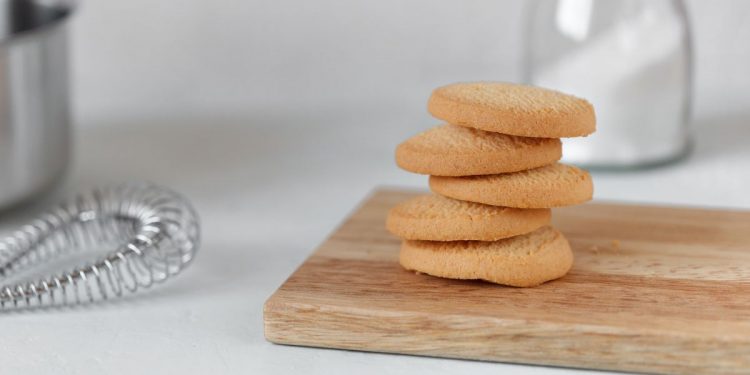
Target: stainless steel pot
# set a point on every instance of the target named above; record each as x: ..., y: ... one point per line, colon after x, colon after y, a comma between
x: 34, y: 103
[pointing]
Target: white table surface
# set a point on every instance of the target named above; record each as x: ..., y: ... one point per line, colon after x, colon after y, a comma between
x: 269, y: 191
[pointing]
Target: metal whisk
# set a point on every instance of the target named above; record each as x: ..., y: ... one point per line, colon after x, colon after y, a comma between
x: 143, y: 234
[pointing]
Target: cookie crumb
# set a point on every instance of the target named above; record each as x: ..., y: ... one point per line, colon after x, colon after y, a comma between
x: 594, y: 249
x: 616, y: 245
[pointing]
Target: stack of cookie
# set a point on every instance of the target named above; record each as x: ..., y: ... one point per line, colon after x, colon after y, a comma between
x: 494, y: 174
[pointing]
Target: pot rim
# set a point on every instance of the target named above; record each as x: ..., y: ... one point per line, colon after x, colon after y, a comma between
x: 66, y: 8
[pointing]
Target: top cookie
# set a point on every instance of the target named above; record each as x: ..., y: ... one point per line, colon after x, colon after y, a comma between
x: 451, y: 150
x: 513, y: 109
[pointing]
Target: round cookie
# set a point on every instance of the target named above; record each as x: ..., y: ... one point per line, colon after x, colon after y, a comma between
x: 527, y: 260
x: 450, y: 150
x: 513, y: 109
x: 553, y: 185
x: 436, y: 218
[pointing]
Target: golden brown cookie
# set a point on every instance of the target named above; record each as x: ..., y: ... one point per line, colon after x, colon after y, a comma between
x: 436, y: 218
x: 513, y: 109
x: 450, y: 150
x: 549, y: 186
x: 525, y: 260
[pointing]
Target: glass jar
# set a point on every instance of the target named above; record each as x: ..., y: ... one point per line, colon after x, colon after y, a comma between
x: 632, y: 60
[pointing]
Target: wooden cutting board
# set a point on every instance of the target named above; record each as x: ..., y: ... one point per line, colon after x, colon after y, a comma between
x: 653, y: 289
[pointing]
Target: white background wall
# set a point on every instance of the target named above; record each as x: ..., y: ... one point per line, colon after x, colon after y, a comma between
x: 178, y: 58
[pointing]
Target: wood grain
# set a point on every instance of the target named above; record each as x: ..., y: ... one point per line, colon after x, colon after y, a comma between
x: 653, y: 289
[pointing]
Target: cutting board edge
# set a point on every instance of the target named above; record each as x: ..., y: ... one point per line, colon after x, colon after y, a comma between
x: 395, y: 332
x: 595, y: 201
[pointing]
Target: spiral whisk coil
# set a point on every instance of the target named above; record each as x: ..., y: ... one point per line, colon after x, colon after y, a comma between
x: 142, y: 234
